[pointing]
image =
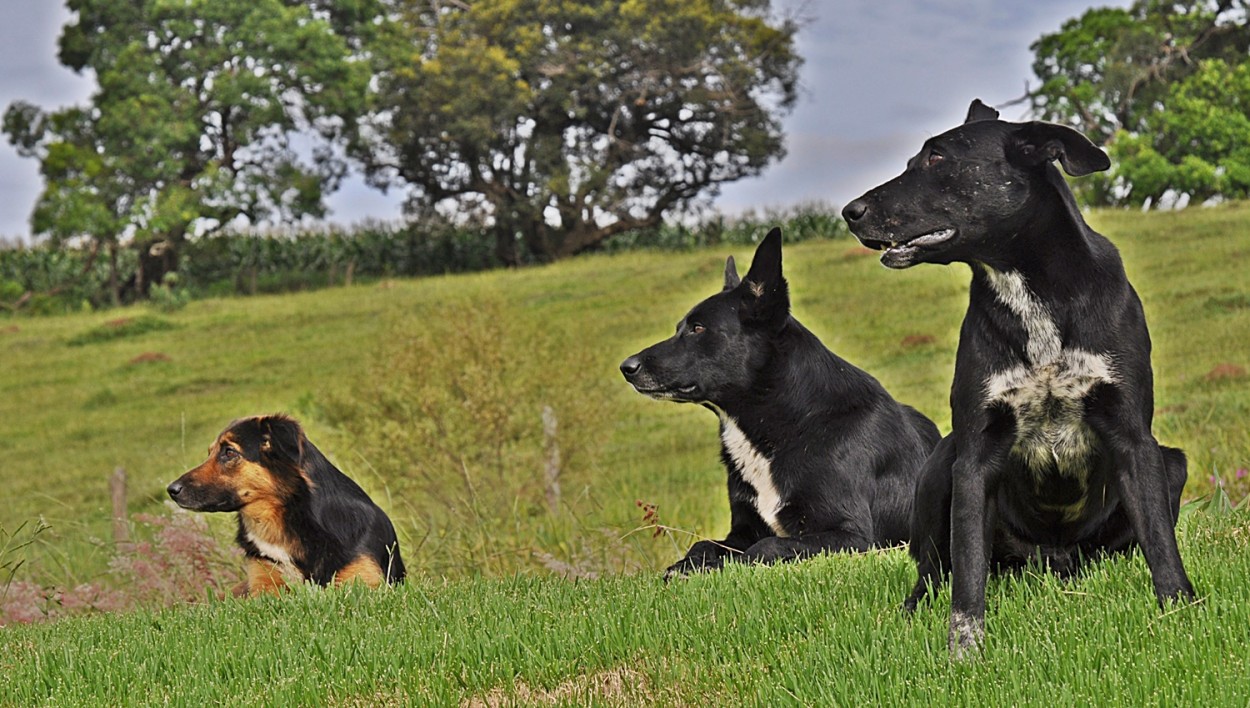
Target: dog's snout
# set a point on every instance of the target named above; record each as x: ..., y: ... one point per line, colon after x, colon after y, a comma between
x: 174, y: 489
x: 631, y: 366
x: 855, y: 210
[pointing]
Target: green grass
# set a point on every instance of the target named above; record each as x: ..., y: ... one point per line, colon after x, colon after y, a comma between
x: 822, y: 632
x: 825, y: 632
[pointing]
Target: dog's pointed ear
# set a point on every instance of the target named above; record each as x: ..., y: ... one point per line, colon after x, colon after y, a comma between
x: 980, y: 111
x: 766, y: 295
x: 1039, y: 142
x: 282, y: 439
x: 731, y: 274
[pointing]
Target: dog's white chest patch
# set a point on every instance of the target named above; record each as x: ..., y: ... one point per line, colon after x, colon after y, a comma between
x: 277, y: 554
x: 1046, y: 393
x: 756, y: 470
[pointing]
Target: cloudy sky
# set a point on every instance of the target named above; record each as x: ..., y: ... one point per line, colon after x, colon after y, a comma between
x: 880, y: 77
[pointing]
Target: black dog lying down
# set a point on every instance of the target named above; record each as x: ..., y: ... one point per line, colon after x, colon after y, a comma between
x: 300, y: 518
x: 820, y: 457
x: 1051, y: 455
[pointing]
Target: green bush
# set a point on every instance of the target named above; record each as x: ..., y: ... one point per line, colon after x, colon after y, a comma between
x: 309, y: 258
x: 457, y: 432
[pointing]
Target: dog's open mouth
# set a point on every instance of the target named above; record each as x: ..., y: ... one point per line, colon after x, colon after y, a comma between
x: 669, y: 392
x: 902, y: 255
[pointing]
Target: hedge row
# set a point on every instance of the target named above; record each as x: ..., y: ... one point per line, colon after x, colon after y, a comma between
x: 282, y: 260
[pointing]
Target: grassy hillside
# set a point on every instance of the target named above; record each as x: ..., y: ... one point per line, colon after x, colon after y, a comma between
x: 430, y: 393
x: 80, y: 396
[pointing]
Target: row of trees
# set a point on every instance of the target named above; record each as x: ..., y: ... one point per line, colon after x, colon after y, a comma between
x: 558, y: 123
x: 1164, y: 85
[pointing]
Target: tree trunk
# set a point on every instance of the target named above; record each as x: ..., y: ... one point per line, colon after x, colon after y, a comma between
x: 505, y: 245
x: 115, y: 287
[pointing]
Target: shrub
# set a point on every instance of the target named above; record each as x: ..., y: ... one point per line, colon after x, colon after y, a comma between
x: 176, y: 560
x: 458, y: 432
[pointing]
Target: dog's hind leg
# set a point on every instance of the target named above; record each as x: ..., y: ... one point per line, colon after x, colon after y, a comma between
x: 930, y: 543
x: 1147, y: 477
x: 363, y: 569
x: 1178, y: 472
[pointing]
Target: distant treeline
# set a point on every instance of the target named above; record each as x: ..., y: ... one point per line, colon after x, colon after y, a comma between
x: 42, y: 280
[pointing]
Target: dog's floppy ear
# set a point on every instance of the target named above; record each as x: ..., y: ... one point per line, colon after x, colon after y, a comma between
x: 731, y: 274
x: 980, y: 111
x: 282, y: 439
x: 1040, y: 142
x: 766, y: 297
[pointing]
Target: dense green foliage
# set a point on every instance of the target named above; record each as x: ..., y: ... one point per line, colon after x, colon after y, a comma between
x: 1165, y: 86
x: 192, y: 122
x: 545, y: 126
x: 565, y: 122
x: 47, y: 278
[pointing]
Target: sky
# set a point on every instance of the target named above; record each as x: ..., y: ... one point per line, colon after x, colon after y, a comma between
x: 880, y: 77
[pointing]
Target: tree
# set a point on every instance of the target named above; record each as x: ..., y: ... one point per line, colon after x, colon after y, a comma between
x: 564, y: 122
x: 193, y: 121
x: 1165, y: 86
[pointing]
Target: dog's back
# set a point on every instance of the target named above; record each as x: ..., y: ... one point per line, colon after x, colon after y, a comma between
x: 360, y: 528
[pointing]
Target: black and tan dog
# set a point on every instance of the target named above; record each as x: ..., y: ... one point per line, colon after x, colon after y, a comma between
x: 300, y: 518
x: 1051, y: 454
x: 820, y: 457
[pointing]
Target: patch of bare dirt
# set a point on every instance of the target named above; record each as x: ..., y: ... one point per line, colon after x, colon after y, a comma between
x: 150, y: 357
x: 1225, y: 371
x: 912, y: 341
x: 617, y: 687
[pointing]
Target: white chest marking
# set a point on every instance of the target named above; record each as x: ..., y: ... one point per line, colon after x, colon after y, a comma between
x: 756, y: 470
x: 1047, y: 392
x: 277, y: 554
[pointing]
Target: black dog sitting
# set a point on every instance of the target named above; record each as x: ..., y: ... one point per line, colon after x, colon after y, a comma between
x: 1051, y: 455
x: 820, y: 457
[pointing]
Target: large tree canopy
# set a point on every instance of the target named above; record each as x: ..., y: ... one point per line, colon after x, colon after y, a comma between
x: 192, y: 123
x: 1165, y: 86
x: 566, y: 121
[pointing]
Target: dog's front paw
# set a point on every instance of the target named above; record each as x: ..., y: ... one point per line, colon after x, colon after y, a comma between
x: 966, y: 635
x: 689, y: 566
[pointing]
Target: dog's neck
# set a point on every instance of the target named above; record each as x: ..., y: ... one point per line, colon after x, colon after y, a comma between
x: 263, y: 525
x: 791, y: 385
x: 1051, y: 246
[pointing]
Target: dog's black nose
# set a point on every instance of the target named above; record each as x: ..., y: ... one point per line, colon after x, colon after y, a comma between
x: 855, y: 210
x: 631, y: 366
x: 174, y: 489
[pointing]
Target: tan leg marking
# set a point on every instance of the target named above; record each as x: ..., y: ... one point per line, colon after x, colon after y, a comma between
x: 363, y: 569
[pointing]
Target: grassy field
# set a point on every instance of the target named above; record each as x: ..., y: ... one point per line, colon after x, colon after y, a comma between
x: 81, y: 395
x: 825, y: 632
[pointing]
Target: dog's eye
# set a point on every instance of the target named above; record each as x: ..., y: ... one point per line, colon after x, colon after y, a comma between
x: 227, y: 454
x: 696, y: 329
x: 934, y: 158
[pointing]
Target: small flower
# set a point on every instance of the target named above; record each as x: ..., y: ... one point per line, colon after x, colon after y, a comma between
x: 1241, y: 473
